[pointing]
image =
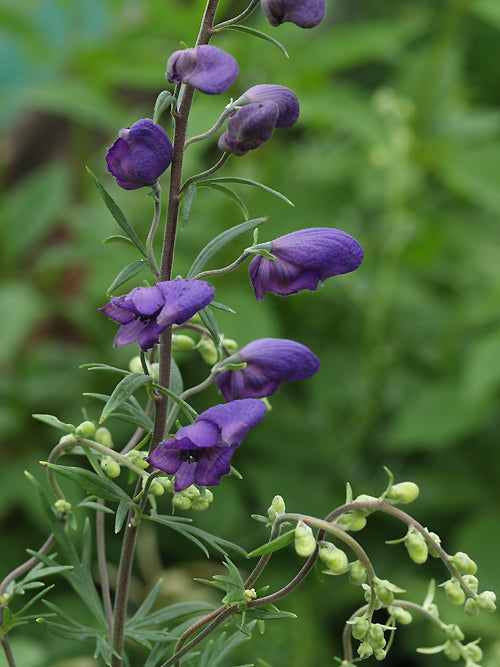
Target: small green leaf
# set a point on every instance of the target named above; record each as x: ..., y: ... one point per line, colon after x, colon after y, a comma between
x: 121, y: 514
x: 247, y: 181
x: 187, y: 203
x: 117, y: 238
x: 210, y: 322
x: 123, y: 390
x: 229, y: 193
x: 221, y: 306
x: 130, y: 411
x: 279, y: 543
x: 55, y: 422
x: 93, y: 484
x: 164, y: 100
x: 118, y: 214
x: 126, y: 273
x: 261, y: 35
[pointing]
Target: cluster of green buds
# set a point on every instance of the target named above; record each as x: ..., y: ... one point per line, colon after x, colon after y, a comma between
x: 191, y: 498
x: 371, y: 636
x: 454, y: 649
x: 135, y: 366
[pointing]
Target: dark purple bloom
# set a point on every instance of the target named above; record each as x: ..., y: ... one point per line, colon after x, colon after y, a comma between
x: 200, y: 453
x: 207, y: 68
x: 304, y: 13
x: 270, y: 362
x: 146, y: 312
x: 250, y: 127
x: 140, y: 155
x: 304, y: 259
x: 288, y: 104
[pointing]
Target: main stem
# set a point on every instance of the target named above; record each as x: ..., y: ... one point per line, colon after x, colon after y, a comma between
x: 181, y: 116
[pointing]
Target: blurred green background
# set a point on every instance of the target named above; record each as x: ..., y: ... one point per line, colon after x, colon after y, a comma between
x: 398, y: 144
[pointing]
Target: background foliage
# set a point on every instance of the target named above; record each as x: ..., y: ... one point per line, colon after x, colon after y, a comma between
x: 399, y: 145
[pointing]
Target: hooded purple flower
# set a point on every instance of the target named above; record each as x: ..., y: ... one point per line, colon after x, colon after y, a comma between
x: 270, y: 362
x: 250, y: 127
x: 304, y: 13
x: 146, y: 312
x: 200, y: 453
x: 140, y: 155
x: 207, y: 68
x: 288, y: 104
x: 303, y: 260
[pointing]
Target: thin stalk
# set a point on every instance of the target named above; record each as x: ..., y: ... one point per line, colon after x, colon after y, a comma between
x: 237, y: 19
x: 153, y: 229
x: 206, y: 135
x: 7, y: 650
x: 208, y: 172
x: 103, y: 570
x: 225, y: 269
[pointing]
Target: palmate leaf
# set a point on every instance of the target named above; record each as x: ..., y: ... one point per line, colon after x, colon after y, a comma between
x: 219, y: 242
x: 118, y: 215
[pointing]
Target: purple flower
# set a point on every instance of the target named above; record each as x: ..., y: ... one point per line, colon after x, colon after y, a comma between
x: 146, y: 312
x: 250, y: 127
x: 269, y: 363
x: 304, y: 13
x: 304, y: 259
x: 140, y: 155
x: 200, y: 453
x: 207, y: 68
x: 288, y: 104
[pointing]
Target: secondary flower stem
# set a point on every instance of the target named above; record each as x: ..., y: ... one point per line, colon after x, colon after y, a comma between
x: 154, y: 227
x: 103, y: 571
x: 225, y: 269
x: 199, y: 137
x: 237, y: 19
x: 208, y: 172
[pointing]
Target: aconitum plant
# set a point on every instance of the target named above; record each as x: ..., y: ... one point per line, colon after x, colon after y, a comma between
x: 177, y: 458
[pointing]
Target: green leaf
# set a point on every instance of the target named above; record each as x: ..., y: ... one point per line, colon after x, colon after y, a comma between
x: 170, y: 613
x: 221, y: 306
x: 187, y: 203
x: 229, y: 193
x: 130, y: 411
x: 121, y: 515
x: 126, y: 273
x: 246, y: 181
x: 216, y: 244
x: 190, y: 412
x: 117, y: 238
x: 261, y: 35
x: 164, y: 100
x: 270, y: 547
x: 122, y: 392
x: 267, y: 613
x: 104, y: 367
x: 55, y: 422
x: 93, y: 484
x: 118, y: 214
x: 210, y: 322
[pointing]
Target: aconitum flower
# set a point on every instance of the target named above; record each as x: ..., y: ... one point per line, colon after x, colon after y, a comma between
x: 146, y: 312
x: 140, y: 155
x: 303, y: 259
x: 207, y: 68
x: 288, y: 104
x: 270, y: 362
x: 304, y: 13
x: 250, y: 127
x: 200, y: 453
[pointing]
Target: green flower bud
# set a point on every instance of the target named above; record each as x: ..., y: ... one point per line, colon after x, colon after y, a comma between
x: 135, y: 365
x: 431, y: 549
x: 85, y: 429
x: 103, y: 436
x: 192, y: 492
x: 433, y: 609
x: 156, y: 488
x: 376, y: 635
x: 471, y: 581
x: 67, y: 439
x: 486, y: 601
x: 136, y: 456
x: 199, y: 504
x: 250, y: 594
x: 110, y: 466
x: 353, y: 521
x: 401, y: 615
x: 384, y: 592
x: 473, y: 651
x: 404, y: 492
x: 451, y: 651
x: 230, y: 345
x: 182, y: 343
x: 276, y: 509
x: 416, y: 546
x: 305, y: 542
x: 454, y: 592
x: 357, y: 573
x: 365, y: 650
x: 360, y: 626
x: 471, y: 607
x: 208, y: 351
x: 166, y: 482
x: 180, y: 501
x: 463, y: 563
x: 453, y: 632
x: 62, y: 506
x: 379, y: 654
x: 335, y: 559
x: 154, y: 371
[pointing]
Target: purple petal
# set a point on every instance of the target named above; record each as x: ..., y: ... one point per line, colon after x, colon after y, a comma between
x: 183, y: 299
x: 149, y: 336
x: 117, y: 313
x: 212, y: 468
x: 147, y: 300
x: 280, y: 277
x: 165, y: 458
x: 185, y: 475
x: 236, y: 418
x: 249, y: 127
x: 193, y: 436
x: 208, y: 68
x: 288, y: 104
x: 128, y: 333
x: 304, y: 13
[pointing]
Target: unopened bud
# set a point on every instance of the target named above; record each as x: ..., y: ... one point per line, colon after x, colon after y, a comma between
x: 453, y: 632
x: 230, y: 345
x: 136, y: 456
x: 451, y: 651
x: 365, y: 650
x: 208, y: 351
x: 471, y: 581
x: 85, y: 429
x: 62, y: 506
x: 359, y: 627
x: 357, y: 573
x: 416, y: 546
x: 192, y: 492
x: 135, y: 365
x: 454, y: 592
x: 180, y: 501
x: 250, y: 594
x: 404, y: 492
x: 471, y: 607
x: 376, y: 635
x: 154, y: 371
x: 380, y: 653
x: 182, y: 343
x: 156, y: 488
x: 353, y: 521
x: 401, y: 615
x: 166, y: 482
x: 474, y: 651
x: 463, y: 563
x: 384, y: 592
x: 486, y: 601
x: 276, y: 508
x: 305, y: 542
x: 67, y: 439
x: 199, y: 504
x: 110, y: 466
x: 103, y: 435
x: 335, y: 559
x: 431, y: 549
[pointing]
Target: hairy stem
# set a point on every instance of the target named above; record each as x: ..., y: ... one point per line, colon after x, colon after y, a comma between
x: 103, y: 570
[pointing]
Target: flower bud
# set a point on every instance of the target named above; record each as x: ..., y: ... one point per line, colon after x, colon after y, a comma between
x: 471, y: 607
x: 353, y: 521
x: 182, y: 343
x: 135, y: 365
x: 451, y: 651
x: 207, y: 68
x: 276, y: 509
x: 62, y: 506
x: 248, y: 128
x: 357, y: 573
x: 376, y: 635
x: 288, y: 104
x: 305, y: 542
x: 230, y: 345
x: 404, y: 492
x: 136, y: 456
x: 463, y: 563
x: 103, y: 436
x: 436, y: 539
x: 166, y: 482
x: 383, y: 592
x: 365, y: 650
x: 156, y: 488
x: 380, y: 653
x: 416, y: 546
x: 473, y: 651
x: 359, y: 627
x: 110, y: 466
x: 85, y: 429
x: 181, y: 502
x: 304, y: 13
x: 471, y: 581
x: 67, y: 439
x: 454, y: 592
x: 208, y: 351
x: 454, y: 633
x: 250, y: 594
x: 401, y: 615
x: 486, y: 601
x: 335, y: 559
